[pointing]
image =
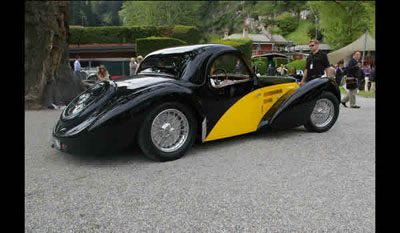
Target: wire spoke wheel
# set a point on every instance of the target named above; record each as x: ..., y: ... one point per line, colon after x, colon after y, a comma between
x: 169, y: 130
x: 323, y: 113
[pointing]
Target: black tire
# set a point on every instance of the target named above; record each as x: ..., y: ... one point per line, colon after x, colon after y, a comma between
x: 324, y: 114
x: 181, y: 139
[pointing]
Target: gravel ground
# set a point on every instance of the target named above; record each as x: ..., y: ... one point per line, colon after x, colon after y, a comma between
x: 285, y: 181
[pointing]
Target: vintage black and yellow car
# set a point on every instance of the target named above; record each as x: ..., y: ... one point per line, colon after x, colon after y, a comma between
x: 205, y: 92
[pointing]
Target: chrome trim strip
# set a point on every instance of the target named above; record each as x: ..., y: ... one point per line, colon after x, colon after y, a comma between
x: 204, y: 130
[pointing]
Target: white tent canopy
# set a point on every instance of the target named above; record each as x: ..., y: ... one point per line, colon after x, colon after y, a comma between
x: 348, y: 50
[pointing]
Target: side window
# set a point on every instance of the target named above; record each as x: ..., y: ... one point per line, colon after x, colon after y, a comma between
x: 228, y: 69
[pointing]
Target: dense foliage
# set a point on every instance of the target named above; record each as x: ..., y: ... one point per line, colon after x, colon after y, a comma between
x: 94, y: 13
x: 166, y: 13
x: 114, y: 34
x: 129, y: 34
x: 287, y: 23
x: 352, y: 19
x: 245, y: 46
x: 147, y: 45
x: 289, y: 18
x: 190, y: 34
x: 299, y: 64
x: 261, y: 63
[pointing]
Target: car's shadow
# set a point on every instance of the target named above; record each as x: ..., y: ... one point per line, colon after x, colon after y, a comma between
x: 133, y: 154
x: 263, y: 134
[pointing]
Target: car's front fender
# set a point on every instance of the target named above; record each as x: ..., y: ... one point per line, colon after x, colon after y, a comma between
x: 135, y: 105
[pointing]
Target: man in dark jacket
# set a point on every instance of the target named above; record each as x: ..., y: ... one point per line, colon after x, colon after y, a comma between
x: 338, y: 75
x: 270, y: 70
x: 352, y: 71
x: 360, y: 77
x: 372, y: 78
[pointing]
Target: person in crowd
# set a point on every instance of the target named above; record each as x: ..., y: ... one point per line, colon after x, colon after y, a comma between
x: 360, y: 77
x: 317, y: 62
x: 132, y: 66
x: 352, y: 71
x: 139, y: 59
x: 367, y: 71
x: 292, y: 71
x: 270, y: 71
x: 372, y: 78
x: 255, y: 68
x: 238, y: 67
x: 77, y: 67
x: 281, y: 70
x: 102, y: 73
x: 285, y: 70
x: 338, y: 74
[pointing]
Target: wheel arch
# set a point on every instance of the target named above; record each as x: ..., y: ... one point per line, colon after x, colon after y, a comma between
x: 168, y: 103
x: 187, y: 99
x: 295, y: 110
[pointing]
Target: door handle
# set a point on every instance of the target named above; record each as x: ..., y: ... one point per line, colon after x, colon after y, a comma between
x: 258, y: 94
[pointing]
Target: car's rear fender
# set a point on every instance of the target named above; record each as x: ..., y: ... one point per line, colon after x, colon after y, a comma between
x: 296, y: 109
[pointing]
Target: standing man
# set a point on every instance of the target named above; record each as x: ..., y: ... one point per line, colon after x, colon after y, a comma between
x: 238, y: 67
x: 339, y: 74
x: 367, y: 71
x: 77, y: 67
x: 351, y: 80
x: 372, y: 78
x: 270, y: 71
x: 316, y: 63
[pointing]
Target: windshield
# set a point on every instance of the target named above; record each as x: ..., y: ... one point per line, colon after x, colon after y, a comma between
x: 171, y: 65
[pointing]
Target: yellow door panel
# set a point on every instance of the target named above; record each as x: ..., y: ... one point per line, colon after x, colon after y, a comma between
x: 245, y: 115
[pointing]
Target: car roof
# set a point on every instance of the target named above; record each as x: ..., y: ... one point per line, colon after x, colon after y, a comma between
x: 189, y: 48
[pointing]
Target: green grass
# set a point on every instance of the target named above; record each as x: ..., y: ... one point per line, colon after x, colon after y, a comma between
x: 299, y: 36
x: 367, y: 94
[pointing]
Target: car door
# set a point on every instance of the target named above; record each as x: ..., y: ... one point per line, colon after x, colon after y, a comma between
x: 231, y: 104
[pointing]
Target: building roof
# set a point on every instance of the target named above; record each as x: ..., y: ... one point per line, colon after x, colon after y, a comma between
x: 278, y: 38
x: 260, y: 38
x: 305, y: 48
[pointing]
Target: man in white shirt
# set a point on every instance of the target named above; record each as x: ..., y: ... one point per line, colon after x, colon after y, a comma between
x: 77, y: 67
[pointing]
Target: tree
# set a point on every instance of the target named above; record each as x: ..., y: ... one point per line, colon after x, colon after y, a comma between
x: 351, y: 19
x: 287, y: 23
x: 94, y: 13
x: 75, y: 13
x: 160, y: 13
x: 47, y: 76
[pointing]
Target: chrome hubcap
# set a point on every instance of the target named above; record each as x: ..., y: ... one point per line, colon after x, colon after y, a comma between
x: 169, y: 130
x: 323, y: 113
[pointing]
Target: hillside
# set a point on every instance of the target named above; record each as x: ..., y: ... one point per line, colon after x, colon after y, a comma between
x: 352, y: 18
x: 299, y: 36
